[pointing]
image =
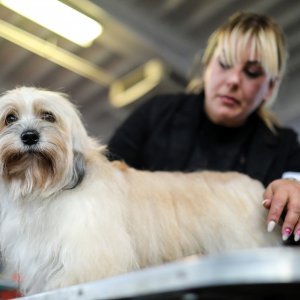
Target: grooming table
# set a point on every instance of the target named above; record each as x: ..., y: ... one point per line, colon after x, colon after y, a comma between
x: 244, y: 275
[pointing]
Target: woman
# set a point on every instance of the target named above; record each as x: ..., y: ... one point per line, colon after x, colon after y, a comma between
x: 225, y: 125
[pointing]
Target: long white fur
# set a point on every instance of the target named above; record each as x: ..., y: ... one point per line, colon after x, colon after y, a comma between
x: 56, y: 234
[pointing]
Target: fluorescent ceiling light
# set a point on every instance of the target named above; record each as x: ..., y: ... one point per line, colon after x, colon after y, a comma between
x: 59, y: 18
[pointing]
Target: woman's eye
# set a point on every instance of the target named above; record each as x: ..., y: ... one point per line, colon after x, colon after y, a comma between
x: 11, y: 118
x: 48, y: 116
x: 254, y: 70
x: 224, y: 65
x: 254, y: 73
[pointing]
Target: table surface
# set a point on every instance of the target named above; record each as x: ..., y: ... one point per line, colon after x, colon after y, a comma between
x: 270, y: 273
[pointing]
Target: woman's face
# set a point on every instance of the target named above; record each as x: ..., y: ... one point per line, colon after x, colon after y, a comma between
x: 233, y: 92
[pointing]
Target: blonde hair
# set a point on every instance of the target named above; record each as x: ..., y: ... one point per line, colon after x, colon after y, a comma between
x: 267, y: 44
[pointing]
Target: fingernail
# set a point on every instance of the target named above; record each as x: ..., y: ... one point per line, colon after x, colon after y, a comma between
x: 286, y: 233
x: 297, y: 235
x: 264, y: 202
x: 271, y: 226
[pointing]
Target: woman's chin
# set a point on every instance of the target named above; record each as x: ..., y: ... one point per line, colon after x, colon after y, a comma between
x: 228, y: 119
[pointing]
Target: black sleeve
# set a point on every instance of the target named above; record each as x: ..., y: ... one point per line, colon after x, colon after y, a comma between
x: 129, y: 140
x: 293, y: 159
x: 149, y: 123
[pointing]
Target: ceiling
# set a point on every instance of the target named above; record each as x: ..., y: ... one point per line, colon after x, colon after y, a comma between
x: 135, y: 31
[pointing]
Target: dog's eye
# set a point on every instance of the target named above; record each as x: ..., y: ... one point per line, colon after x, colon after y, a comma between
x: 11, y: 118
x: 48, y: 116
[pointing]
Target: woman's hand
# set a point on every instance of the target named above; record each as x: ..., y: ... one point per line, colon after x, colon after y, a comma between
x: 284, y: 195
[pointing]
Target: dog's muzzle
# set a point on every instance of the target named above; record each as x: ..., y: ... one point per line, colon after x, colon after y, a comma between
x: 30, y: 137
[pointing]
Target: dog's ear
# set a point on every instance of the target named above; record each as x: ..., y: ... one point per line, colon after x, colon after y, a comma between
x: 80, y: 138
x: 78, y: 172
x: 81, y: 141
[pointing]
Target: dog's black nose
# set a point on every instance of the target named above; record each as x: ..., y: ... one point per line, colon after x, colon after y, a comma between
x: 30, y: 137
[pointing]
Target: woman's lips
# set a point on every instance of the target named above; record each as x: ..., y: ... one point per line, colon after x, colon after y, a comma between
x: 228, y: 100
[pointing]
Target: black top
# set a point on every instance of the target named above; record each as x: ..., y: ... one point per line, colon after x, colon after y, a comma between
x: 172, y: 133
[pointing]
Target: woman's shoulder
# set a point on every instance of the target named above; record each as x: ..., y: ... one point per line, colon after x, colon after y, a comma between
x: 279, y: 130
x: 287, y: 132
x: 171, y: 102
x: 280, y: 134
x: 166, y: 106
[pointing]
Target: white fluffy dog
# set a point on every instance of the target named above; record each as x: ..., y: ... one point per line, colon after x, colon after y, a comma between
x: 68, y: 215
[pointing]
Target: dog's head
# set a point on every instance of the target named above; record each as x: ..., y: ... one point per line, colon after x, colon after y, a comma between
x: 42, y: 141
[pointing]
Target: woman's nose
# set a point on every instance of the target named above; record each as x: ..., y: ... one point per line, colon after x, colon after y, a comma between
x: 233, y: 77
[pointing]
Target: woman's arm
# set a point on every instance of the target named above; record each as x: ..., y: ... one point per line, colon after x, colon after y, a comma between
x: 283, y: 195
